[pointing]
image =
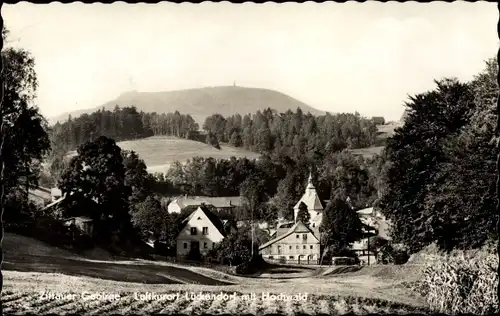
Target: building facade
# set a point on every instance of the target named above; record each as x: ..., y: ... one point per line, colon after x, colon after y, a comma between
x: 300, y: 244
x: 200, y: 232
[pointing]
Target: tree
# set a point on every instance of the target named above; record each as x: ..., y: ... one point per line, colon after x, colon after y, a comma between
x: 253, y: 191
x: 340, y: 227
x: 234, y: 249
x: 212, y: 140
x: 97, y: 175
x: 429, y: 150
x: 24, y: 140
x: 303, y: 214
x: 136, y: 177
x: 235, y: 139
x: 149, y: 217
x: 287, y: 194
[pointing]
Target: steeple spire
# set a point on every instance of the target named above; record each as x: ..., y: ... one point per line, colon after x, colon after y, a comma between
x: 310, y: 185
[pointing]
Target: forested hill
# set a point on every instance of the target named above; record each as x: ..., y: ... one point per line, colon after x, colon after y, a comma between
x: 201, y: 103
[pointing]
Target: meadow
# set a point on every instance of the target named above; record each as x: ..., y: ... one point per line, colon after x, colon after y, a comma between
x: 159, y: 152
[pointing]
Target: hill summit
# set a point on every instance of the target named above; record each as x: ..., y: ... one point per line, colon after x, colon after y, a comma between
x: 203, y: 102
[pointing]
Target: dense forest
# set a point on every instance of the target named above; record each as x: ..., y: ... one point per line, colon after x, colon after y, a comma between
x: 291, y: 134
x: 294, y: 133
x: 121, y: 124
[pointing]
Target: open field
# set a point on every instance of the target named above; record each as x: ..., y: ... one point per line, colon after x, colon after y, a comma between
x: 384, y: 131
x: 368, y: 152
x: 158, y: 152
x: 36, y: 268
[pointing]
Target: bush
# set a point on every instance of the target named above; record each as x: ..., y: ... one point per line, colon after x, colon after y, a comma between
x: 392, y: 254
x: 461, y: 283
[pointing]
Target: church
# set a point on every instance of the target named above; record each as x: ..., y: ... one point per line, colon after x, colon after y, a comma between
x: 295, y: 242
x: 313, y: 203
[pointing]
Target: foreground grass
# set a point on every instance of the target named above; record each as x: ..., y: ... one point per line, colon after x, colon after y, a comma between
x: 22, y: 295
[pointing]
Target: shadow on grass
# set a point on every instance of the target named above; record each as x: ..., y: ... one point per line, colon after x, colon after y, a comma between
x: 138, y: 273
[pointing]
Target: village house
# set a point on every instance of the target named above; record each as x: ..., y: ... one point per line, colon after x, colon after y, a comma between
x: 220, y: 203
x: 200, y: 231
x: 374, y: 224
x: 299, y: 244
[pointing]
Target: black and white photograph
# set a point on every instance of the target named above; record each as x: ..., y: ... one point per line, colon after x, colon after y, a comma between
x: 219, y: 158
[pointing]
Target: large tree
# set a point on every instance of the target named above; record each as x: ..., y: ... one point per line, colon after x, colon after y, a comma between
x: 136, y: 177
x: 97, y: 175
x: 150, y: 218
x: 433, y: 187
x: 24, y: 140
x: 340, y: 226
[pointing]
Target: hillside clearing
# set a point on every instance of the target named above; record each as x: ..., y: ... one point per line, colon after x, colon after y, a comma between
x: 159, y: 152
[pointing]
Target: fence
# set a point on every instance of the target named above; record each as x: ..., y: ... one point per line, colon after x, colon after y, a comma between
x: 296, y: 262
x: 203, y: 264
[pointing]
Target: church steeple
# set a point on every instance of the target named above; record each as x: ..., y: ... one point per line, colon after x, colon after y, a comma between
x: 310, y: 185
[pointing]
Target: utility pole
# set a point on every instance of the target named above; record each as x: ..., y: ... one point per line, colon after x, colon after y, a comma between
x: 251, y: 223
x: 368, y: 246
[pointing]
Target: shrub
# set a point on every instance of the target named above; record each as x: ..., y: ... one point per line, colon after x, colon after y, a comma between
x: 461, y: 283
x: 392, y: 254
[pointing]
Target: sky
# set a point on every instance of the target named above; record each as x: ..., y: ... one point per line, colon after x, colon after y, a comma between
x: 365, y: 57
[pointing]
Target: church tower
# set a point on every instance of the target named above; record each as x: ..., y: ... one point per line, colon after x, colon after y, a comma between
x: 313, y: 203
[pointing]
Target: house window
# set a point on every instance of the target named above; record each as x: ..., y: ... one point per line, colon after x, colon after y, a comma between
x: 304, y: 236
x: 311, y: 247
x: 304, y: 247
x: 314, y: 224
x: 291, y: 257
x: 297, y: 247
x: 205, y: 230
x: 270, y: 257
x: 290, y: 247
x: 205, y: 245
x: 185, y: 245
x: 298, y: 236
x: 193, y: 230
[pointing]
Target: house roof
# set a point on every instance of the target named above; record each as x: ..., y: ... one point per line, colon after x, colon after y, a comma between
x: 211, y: 217
x: 55, y: 202
x: 40, y: 193
x: 366, y: 211
x: 55, y: 192
x: 81, y: 218
x: 299, y: 227
x: 219, y: 202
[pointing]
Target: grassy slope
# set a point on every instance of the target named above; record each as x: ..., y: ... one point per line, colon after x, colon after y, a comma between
x: 159, y: 152
x: 200, y: 103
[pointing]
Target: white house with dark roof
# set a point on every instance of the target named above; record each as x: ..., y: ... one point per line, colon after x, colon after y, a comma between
x: 299, y: 244
x: 200, y: 231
